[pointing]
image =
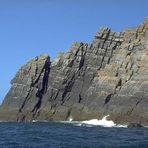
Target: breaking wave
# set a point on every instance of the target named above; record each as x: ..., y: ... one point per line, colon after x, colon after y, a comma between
x: 103, y: 122
x: 95, y: 122
x: 70, y: 119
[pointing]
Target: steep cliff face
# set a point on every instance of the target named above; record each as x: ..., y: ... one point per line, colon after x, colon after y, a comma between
x: 109, y: 76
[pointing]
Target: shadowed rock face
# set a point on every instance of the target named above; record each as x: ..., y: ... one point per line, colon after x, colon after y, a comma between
x: 109, y: 76
x: 134, y: 125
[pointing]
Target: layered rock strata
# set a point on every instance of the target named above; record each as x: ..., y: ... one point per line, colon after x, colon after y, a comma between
x: 109, y: 76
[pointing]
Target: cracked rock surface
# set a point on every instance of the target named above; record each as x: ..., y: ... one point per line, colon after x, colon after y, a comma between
x: 108, y: 76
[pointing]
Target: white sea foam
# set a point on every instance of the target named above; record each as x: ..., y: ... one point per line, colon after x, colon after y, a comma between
x: 94, y: 122
x: 103, y: 122
x: 34, y: 120
x: 70, y: 119
x: 39, y: 121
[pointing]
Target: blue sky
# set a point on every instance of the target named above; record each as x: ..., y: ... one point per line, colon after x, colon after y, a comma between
x: 31, y: 27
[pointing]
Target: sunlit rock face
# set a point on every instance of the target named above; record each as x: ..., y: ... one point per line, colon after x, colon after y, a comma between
x: 108, y: 76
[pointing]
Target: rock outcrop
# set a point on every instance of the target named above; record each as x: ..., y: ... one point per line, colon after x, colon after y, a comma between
x: 109, y: 76
x: 134, y: 125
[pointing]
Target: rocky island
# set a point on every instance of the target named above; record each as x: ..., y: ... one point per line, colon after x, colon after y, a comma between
x: 108, y: 76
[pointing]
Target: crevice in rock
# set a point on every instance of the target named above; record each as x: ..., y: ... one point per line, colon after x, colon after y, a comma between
x: 54, y: 95
x: 36, y: 69
x: 106, y: 49
x: 112, y: 50
x: 128, y: 54
x: 21, y: 118
x: 43, y: 90
x: 25, y: 100
x: 132, y: 109
x: 80, y: 98
x: 38, y: 104
x: 119, y: 85
x: 103, y: 58
x: 130, y: 76
x: 37, y: 79
x: 68, y: 87
x: 107, y: 99
x: 82, y: 58
x: 53, y: 105
x: 75, y: 56
x: 46, y: 67
x: 68, y: 113
x: 132, y: 64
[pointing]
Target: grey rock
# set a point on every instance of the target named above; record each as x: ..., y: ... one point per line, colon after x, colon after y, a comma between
x: 134, y: 125
x: 109, y: 76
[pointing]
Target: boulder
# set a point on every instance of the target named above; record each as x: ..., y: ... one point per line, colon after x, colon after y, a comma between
x: 134, y: 125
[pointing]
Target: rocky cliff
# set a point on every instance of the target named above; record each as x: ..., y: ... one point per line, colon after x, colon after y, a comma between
x: 109, y: 76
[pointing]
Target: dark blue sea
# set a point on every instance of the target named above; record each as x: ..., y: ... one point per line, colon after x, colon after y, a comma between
x: 61, y: 135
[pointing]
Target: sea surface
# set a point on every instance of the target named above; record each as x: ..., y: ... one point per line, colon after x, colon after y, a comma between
x: 70, y: 135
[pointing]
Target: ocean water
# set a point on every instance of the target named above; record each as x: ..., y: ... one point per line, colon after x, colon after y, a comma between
x: 70, y: 135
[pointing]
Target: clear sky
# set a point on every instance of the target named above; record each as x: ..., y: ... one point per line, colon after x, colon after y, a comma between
x: 31, y: 27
